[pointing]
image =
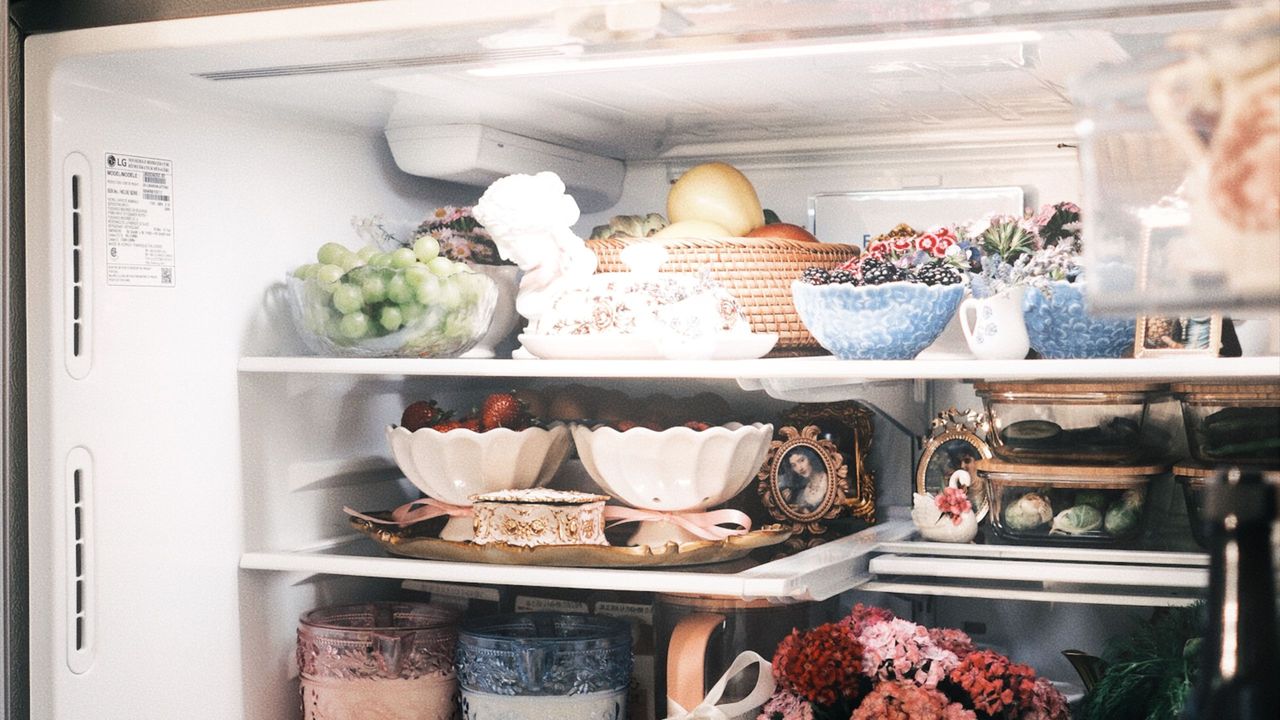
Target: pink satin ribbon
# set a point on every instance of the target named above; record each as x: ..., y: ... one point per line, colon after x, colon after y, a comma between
x: 705, y: 525
x: 415, y: 511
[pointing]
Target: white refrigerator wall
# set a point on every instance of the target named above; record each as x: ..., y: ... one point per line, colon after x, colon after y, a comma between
x: 185, y: 463
x: 157, y: 414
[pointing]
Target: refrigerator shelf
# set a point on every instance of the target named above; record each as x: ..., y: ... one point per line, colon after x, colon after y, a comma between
x: 811, y: 372
x: 882, y: 559
x: 1046, y: 574
x: 814, y: 574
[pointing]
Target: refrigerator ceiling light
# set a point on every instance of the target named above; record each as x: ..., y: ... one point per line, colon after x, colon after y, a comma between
x: 580, y: 64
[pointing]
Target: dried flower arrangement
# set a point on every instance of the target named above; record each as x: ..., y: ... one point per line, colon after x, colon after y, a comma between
x: 874, y: 665
x: 461, y: 236
x: 1030, y: 251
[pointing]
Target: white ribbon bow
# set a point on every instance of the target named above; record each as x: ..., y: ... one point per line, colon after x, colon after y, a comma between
x: 709, y: 710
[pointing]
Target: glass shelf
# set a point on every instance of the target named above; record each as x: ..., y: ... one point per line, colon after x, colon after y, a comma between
x: 814, y: 574
x: 809, y: 372
x: 885, y: 558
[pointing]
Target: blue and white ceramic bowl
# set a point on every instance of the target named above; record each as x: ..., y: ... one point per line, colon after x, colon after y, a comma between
x: 1059, y: 326
x: 893, y: 321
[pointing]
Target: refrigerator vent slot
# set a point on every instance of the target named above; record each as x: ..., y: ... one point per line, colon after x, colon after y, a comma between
x: 77, y: 227
x: 80, y: 589
x: 488, y: 56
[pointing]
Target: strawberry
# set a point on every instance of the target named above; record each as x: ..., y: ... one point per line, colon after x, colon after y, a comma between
x: 424, y: 413
x: 503, y: 410
x: 625, y: 425
x: 472, y: 423
x: 447, y: 425
x: 697, y: 425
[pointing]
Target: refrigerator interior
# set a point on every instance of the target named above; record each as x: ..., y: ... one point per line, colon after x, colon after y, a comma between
x: 157, y: 462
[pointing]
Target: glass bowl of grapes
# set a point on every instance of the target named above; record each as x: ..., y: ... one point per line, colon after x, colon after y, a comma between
x: 408, y: 302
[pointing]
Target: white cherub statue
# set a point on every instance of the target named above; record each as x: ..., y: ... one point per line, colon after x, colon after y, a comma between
x: 531, y: 218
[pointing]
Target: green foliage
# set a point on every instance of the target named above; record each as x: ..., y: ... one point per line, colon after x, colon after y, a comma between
x: 1150, y: 672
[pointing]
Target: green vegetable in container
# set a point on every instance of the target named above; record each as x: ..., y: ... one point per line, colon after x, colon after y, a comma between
x: 1028, y: 512
x: 1094, y: 498
x: 1076, y: 520
x: 1123, y: 516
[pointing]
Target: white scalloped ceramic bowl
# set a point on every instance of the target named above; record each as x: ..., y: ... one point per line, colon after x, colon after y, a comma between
x: 452, y: 466
x: 675, y: 470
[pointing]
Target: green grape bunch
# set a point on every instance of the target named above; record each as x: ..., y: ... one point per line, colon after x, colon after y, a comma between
x: 407, y: 302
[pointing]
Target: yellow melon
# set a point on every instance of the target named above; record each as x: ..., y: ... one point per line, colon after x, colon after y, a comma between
x: 717, y: 193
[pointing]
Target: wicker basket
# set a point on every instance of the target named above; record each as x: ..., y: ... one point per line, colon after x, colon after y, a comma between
x: 758, y: 271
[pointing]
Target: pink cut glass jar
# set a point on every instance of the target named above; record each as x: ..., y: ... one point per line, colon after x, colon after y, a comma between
x: 385, y: 660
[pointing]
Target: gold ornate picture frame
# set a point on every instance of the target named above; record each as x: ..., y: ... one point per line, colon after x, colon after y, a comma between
x: 816, y: 475
x: 956, y: 440
x: 1163, y: 336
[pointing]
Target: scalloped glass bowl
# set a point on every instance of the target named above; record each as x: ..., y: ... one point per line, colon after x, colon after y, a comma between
x: 674, y: 470
x: 893, y: 321
x: 1059, y: 326
x: 436, y: 332
x: 452, y: 466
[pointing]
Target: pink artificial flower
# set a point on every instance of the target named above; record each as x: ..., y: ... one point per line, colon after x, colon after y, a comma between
x: 902, y: 701
x: 953, y: 502
x: 786, y: 706
x: 862, y: 616
x: 927, y: 242
x: 903, y: 650
x: 952, y: 640
x: 902, y: 244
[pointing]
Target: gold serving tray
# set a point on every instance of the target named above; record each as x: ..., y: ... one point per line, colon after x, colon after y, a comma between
x: 414, y: 542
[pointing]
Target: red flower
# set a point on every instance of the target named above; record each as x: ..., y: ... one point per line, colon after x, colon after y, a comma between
x: 1045, y: 703
x: 879, y: 248
x: 927, y: 242
x: 995, y: 686
x: 902, y: 243
x: 820, y: 665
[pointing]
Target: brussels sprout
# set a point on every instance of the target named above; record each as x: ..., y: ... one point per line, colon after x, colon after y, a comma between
x: 1027, y: 512
x: 1124, y: 515
x: 1076, y: 520
x: 1096, y: 498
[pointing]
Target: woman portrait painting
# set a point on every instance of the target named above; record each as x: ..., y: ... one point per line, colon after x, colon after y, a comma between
x: 951, y: 464
x: 802, y: 480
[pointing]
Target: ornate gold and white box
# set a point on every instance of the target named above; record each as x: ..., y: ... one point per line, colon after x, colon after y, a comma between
x: 538, y: 516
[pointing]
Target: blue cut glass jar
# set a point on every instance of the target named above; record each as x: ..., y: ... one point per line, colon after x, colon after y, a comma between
x: 544, y: 665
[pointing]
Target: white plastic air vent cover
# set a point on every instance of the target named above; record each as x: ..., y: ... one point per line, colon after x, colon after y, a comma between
x: 478, y: 155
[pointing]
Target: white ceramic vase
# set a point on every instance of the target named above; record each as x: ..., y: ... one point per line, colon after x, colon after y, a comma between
x: 994, y: 326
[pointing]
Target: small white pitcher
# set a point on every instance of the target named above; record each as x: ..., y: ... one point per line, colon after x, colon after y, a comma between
x: 997, y: 330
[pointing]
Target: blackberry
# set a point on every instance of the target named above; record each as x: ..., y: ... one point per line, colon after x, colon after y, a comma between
x: 936, y: 273
x: 841, y: 277
x: 879, y: 272
x: 815, y: 276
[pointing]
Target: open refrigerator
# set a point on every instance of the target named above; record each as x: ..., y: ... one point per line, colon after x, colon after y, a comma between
x: 187, y: 460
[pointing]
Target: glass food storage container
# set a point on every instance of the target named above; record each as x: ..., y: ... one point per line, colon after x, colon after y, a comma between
x: 1100, y: 505
x: 392, y: 661
x: 544, y: 665
x: 1071, y: 422
x: 1193, y: 476
x: 1232, y: 423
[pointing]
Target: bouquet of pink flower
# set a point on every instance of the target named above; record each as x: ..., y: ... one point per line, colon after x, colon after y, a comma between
x: 953, y: 503
x: 873, y: 665
x: 462, y: 238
